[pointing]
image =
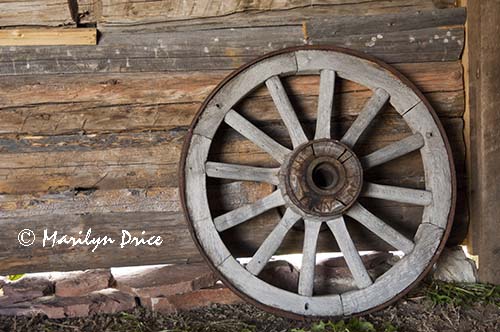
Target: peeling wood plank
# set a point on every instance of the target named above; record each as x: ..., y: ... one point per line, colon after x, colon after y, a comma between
x: 44, y: 37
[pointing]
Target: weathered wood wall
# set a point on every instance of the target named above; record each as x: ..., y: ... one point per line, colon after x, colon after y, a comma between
x: 90, y: 136
x: 484, y: 93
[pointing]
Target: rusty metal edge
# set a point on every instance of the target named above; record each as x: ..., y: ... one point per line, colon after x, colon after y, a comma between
x: 364, y: 56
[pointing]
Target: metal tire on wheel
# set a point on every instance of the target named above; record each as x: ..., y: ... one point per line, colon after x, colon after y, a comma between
x: 319, y: 181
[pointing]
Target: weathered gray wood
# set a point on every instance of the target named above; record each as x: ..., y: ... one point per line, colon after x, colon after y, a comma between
x: 286, y: 111
x: 402, y: 274
x: 242, y: 172
x: 370, y: 110
x: 35, y: 12
x: 271, y: 244
x: 351, y: 255
x: 276, y: 297
x: 377, y: 226
x: 393, y: 151
x: 397, y: 194
x: 195, y: 13
x: 484, y: 78
x: 325, y: 104
x: 208, y: 48
x: 257, y: 136
x: 306, y: 277
x: 246, y: 212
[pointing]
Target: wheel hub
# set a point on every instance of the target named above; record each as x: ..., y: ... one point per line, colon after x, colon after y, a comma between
x: 321, y: 178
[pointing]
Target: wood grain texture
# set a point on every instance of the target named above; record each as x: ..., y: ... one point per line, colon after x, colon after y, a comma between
x: 100, y: 144
x: 484, y: 90
x: 234, y: 44
x: 44, y: 37
x: 127, y: 12
x: 37, y: 12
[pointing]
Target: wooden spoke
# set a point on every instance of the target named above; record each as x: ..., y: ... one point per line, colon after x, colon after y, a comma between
x: 365, y: 117
x: 306, y: 278
x: 272, y: 242
x: 325, y: 104
x: 380, y: 228
x: 397, y: 194
x: 393, y: 151
x: 351, y: 255
x: 257, y: 136
x: 286, y: 111
x: 242, y: 172
x: 246, y: 212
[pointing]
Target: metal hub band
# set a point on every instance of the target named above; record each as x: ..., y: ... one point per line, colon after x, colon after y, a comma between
x: 321, y: 178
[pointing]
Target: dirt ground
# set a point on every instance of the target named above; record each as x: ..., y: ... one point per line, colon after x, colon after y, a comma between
x: 428, y: 309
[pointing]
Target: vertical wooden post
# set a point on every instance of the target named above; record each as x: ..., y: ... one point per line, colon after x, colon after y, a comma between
x: 484, y: 103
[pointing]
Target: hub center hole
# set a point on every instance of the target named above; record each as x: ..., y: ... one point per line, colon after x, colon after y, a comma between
x: 324, y: 176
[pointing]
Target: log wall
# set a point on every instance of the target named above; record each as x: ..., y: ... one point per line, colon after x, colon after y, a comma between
x: 90, y: 136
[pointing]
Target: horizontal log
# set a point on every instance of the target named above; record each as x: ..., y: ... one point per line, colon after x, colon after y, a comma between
x: 117, y: 102
x: 35, y: 12
x: 163, y: 220
x: 229, y: 47
x: 142, y: 160
x: 123, y: 13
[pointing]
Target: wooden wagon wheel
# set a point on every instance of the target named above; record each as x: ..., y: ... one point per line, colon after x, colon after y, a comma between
x: 319, y: 181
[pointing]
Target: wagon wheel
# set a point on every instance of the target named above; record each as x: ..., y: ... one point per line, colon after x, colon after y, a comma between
x: 319, y: 181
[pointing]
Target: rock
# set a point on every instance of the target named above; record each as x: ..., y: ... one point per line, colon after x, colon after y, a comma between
x: 281, y: 274
x: 28, y: 287
x: 79, y: 283
x: 454, y: 266
x: 104, y: 301
x: 166, y: 280
x: 111, y: 301
x: 332, y: 276
x: 192, y: 300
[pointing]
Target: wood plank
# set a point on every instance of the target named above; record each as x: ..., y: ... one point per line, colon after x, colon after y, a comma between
x: 271, y: 244
x: 117, y: 102
x: 35, y: 12
x: 286, y: 111
x: 397, y: 194
x: 325, y: 104
x: 44, y: 37
x: 249, y: 211
x: 306, y: 276
x: 256, y: 136
x: 231, y: 46
x: 58, y: 163
x: 123, y: 13
x: 365, y: 117
x: 241, y: 172
x: 377, y: 226
x: 484, y: 78
x: 351, y: 255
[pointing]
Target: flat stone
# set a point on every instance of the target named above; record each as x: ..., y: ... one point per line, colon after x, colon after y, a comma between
x: 281, y: 274
x: 111, y: 301
x: 28, y: 287
x: 193, y: 300
x: 108, y: 300
x: 80, y: 283
x: 454, y: 266
x: 167, y: 280
x: 332, y: 276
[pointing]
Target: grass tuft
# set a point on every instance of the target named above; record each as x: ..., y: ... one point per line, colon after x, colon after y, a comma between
x: 463, y: 294
x: 352, y: 325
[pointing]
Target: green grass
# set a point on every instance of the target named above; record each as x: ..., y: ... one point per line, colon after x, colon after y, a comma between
x: 352, y: 325
x: 462, y: 294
